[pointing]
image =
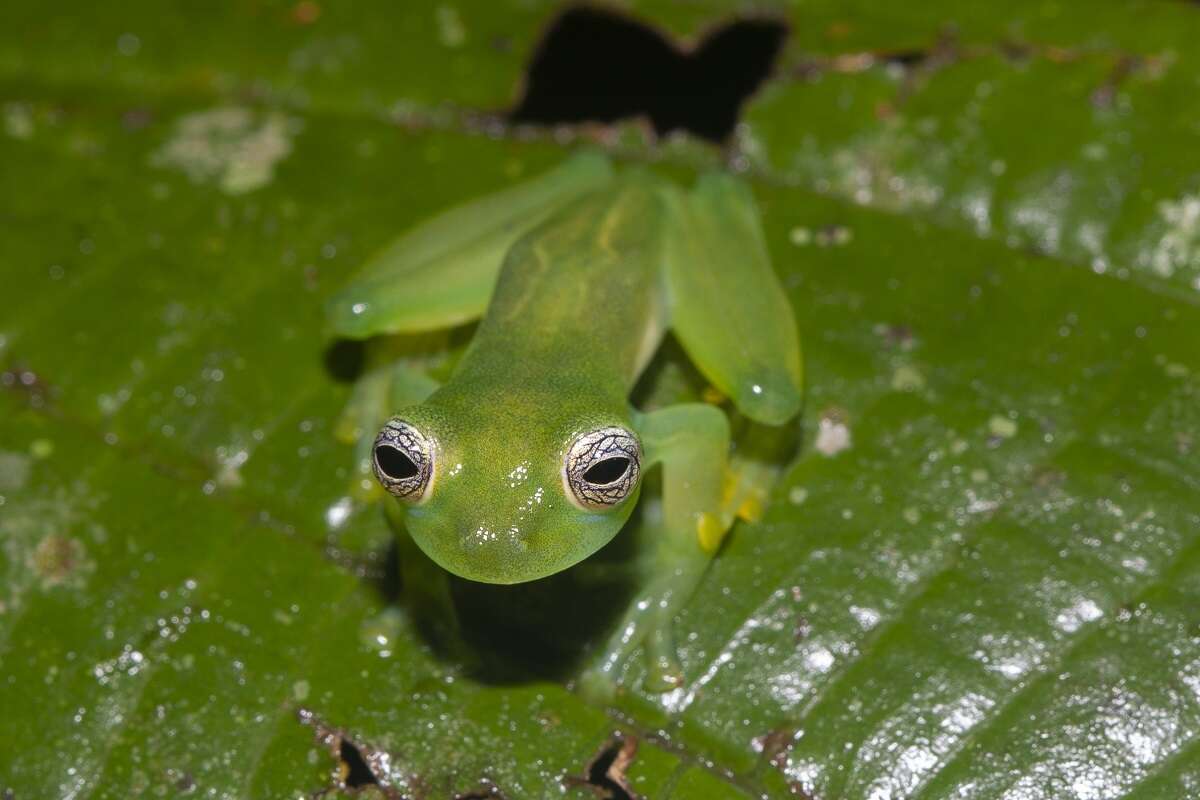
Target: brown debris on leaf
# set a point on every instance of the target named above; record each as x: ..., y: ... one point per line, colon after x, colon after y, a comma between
x: 25, y: 381
x: 486, y: 791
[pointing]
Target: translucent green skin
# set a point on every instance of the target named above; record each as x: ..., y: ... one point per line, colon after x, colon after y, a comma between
x: 578, y: 275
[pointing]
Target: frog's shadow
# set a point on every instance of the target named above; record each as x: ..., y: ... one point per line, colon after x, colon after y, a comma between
x: 537, y: 631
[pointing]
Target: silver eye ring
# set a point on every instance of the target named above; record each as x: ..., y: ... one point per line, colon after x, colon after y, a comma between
x: 402, y: 459
x: 602, y: 467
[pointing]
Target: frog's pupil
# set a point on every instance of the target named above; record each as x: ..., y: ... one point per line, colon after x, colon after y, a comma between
x: 394, y: 463
x: 606, y: 471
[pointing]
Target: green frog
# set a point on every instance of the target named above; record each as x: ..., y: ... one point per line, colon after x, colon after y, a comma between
x: 530, y: 457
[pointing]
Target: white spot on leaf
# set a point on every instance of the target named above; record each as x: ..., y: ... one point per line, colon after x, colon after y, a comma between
x: 1179, y: 246
x: 833, y: 435
x: 235, y: 147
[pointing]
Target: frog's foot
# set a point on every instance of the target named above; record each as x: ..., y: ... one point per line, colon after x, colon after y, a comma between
x: 599, y: 686
x: 748, y: 483
x: 645, y: 628
x: 596, y: 686
x: 663, y: 671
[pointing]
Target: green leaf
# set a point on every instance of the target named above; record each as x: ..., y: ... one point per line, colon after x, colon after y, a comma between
x: 980, y: 578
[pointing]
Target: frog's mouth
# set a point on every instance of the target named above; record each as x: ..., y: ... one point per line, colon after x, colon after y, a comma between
x: 510, y: 554
x: 476, y: 557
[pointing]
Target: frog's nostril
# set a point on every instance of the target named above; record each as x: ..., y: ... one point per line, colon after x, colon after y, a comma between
x: 394, y: 464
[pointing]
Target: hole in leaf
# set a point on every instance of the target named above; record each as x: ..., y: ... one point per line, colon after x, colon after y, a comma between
x: 356, y: 772
x: 394, y: 464
x: 595, y: 65
x: 356, y: 763
x: 606, y: 471
x: 606, y: 771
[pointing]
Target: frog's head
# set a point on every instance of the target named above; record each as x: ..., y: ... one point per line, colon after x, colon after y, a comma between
x: 502, y: 498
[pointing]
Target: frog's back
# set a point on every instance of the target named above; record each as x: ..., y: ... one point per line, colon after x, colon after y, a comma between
x: 578, y: 299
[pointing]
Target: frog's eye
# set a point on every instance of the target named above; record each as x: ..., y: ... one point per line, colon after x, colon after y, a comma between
x: 403, y: 460
x: 602, y: 467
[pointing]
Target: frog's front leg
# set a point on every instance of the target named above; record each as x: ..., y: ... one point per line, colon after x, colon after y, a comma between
x: 691, y: 442
x: 426, y: 591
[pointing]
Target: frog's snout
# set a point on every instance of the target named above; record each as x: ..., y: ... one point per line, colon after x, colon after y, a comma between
x: 481, y: 551
x: 491, y: 544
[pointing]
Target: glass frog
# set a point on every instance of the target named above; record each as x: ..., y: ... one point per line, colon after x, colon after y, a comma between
x: 529, y: 457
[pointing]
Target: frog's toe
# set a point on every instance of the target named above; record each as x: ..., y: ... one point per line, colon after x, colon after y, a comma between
x: 597, y: 686
x: 663, y: 675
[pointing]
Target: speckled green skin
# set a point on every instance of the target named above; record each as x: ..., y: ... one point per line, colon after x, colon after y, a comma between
x: 584, y: 271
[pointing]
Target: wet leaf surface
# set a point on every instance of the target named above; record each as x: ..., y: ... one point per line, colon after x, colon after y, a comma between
x: 980, y: 578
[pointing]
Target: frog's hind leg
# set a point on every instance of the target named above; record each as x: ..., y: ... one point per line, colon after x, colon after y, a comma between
x: 440, y: 273
x: 691, y: 442
x: 728, y: 309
